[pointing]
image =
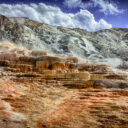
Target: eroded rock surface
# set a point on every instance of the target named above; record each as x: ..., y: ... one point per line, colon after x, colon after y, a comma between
x: 38, y: 90
x: 105, y: 46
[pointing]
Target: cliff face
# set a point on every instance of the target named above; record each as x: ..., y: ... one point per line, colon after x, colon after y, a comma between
x: 39, y: 90
x: 98, y: 46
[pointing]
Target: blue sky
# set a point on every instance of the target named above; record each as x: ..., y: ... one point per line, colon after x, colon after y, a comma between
x: 86, y: 14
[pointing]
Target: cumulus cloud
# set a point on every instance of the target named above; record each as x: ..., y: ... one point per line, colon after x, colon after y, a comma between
x: 54, y: 16
x: 104, y: 5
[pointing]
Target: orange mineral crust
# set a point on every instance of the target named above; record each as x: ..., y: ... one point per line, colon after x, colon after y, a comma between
x: 39, y: 90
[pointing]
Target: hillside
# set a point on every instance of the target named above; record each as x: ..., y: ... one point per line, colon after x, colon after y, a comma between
x: 49, y: 76
x: 104, y: 47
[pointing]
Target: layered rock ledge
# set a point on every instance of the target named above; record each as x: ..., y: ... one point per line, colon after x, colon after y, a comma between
x: 39, y: 90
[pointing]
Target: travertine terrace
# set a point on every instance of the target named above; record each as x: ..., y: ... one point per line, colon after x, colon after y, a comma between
x: 39, y: 90
x: 103, y: 47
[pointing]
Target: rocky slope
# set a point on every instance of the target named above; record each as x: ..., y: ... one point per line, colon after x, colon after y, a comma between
x: 39, y: 90
x: 106, y: 46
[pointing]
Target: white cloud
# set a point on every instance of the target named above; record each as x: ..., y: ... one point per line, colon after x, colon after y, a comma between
x: 104, y: 5
x: 77, y: 3
x: 73, y: 3
x: 54, y: 16
x: 86, y: 19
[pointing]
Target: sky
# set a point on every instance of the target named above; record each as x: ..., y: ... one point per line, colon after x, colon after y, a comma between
x: 91, y: 15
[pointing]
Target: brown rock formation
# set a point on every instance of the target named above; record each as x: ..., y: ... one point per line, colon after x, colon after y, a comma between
x: 42, y: 91
x: 42, y: 65
x: 8, y: 56
x: 39, y: 53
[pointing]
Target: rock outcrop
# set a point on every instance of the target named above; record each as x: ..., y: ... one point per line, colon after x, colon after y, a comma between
x: 38, y: 90
x: 103, y: 47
